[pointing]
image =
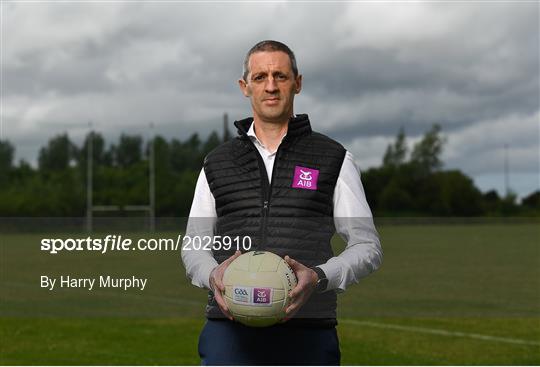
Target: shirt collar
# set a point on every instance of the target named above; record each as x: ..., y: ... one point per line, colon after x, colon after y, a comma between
x: 253, y: 136
x: 298, y: 126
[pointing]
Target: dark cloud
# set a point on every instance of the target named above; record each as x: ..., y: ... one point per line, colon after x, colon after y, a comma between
x: 368, y: 69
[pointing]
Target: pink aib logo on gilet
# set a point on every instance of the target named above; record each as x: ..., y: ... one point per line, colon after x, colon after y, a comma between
x: 305, y: 178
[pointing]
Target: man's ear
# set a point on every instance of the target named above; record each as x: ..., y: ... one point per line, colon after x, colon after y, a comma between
x: 244, y: 87
x: 298, y: 81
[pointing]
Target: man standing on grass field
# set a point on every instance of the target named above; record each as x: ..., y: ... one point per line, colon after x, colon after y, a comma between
x: 289, y: 189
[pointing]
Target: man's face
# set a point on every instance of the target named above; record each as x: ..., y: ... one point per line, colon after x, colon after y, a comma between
x: 271, y: 86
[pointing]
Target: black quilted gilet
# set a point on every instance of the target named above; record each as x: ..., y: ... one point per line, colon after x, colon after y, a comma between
x: 278, y: 217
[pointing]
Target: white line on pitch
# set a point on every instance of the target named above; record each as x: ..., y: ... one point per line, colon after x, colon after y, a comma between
x: 424, y: 330
x: 379, y: 325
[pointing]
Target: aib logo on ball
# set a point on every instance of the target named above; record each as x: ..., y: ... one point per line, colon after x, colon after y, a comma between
x: 305, y: 178
x: 262, y: 295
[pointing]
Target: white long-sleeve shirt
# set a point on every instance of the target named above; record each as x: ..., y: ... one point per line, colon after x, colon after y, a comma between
x: 352, y: 218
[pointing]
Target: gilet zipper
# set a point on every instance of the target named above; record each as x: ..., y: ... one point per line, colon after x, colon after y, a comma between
x: 266, y: 191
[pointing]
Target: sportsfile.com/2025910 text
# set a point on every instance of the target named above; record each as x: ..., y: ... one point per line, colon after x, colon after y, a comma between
x: 113, y: 242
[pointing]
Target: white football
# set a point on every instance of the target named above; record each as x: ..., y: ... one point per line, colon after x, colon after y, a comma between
x: 257, y: 286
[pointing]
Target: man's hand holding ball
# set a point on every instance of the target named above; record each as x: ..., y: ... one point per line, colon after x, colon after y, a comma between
x: 216, y: 283
x: 307, y: 283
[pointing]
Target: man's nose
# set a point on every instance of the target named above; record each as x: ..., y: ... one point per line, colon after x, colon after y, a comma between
x: 271, y: 85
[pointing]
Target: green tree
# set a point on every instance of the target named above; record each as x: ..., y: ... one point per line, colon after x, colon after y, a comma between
x: 6, y: 160
x: 426, y: 154
x: 374, y: 180
x: 395, y: 198
x: 491, y: 202
x: 6, y: 155
x: 193, y: 143
x: 161, y: 153
x: 509, y: 204
x: 211, y: 143
x: 98, y: 149
x: 128, y: 151
x: 186, y: 155
x: 532, y: 200
x: 395, y: 154
x: 57, y: 155
x: 457, y: 195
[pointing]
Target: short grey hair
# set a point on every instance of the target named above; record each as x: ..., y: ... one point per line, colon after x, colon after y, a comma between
x: 269, y: 46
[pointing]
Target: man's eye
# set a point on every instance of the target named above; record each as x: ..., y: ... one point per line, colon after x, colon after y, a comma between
x: 258, y: 77
x: 281, y: 77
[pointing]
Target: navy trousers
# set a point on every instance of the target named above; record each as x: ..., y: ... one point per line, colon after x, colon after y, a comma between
x: 224, y: 342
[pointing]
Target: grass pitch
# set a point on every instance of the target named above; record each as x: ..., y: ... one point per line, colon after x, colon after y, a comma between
x: 445, y: 295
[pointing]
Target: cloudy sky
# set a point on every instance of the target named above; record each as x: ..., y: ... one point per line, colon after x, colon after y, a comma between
x: 368, y: 69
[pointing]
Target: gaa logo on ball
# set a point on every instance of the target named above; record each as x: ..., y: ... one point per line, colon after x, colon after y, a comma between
x: 240, y: 291
x: 257, y: 285
x: 241, y: 294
